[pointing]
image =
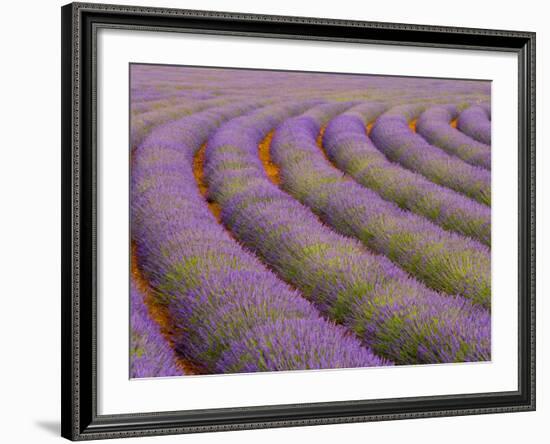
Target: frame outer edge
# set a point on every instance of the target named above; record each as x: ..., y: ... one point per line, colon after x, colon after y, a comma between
x: 532, y: 59
x: 71, y: 347
x: 72, y: 427
x: 66, y: 356
x: 226, y: 15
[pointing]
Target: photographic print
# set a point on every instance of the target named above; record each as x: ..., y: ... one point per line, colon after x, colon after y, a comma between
x: 287, y: 220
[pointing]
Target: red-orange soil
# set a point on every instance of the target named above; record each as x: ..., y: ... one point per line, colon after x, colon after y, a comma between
x: 369, y: 128
x: 264, y: 152
x: 320, y: 142
x: 198, y: 172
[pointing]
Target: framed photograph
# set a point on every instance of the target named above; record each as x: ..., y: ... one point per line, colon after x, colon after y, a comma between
x: 281, y: 221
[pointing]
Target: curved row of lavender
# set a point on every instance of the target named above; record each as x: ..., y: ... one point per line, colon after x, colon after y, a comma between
x: 475, y: 122
x: 390, y: 311
x: 150, y: 353
x: 434, y: 125
x: 142, y: 124
x: 391, y: 135
x: 486, y: 107
x: 228, y: 312
x: 350, y: 149
x: 443, y: 260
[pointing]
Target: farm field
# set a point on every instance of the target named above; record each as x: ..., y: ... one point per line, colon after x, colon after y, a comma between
x: 292, y: 221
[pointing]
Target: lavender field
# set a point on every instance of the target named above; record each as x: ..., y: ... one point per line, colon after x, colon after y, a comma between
x: 292, y: 221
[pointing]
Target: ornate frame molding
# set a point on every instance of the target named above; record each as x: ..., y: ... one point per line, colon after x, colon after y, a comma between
x: 80, y: 22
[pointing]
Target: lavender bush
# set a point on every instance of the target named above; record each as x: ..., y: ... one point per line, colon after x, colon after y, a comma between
x: 475, y: 122
x: 150, y: 353
x: 434, y: 126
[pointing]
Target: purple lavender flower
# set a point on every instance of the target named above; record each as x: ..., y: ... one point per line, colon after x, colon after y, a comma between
x: 299, y: 344
x: 434, y: 126
x: 142, y: 123
x: 475, y: 122
x: 391, y: 135
x: 150, y: 353
x: 487, y: 108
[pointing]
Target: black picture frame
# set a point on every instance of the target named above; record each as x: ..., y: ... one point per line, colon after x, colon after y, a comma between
x: 80, y: 22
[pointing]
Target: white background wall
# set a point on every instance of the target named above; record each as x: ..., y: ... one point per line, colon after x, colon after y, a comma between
x: 30, y: 221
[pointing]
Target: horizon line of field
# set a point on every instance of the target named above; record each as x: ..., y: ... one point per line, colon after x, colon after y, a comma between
x: 218, y: 215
